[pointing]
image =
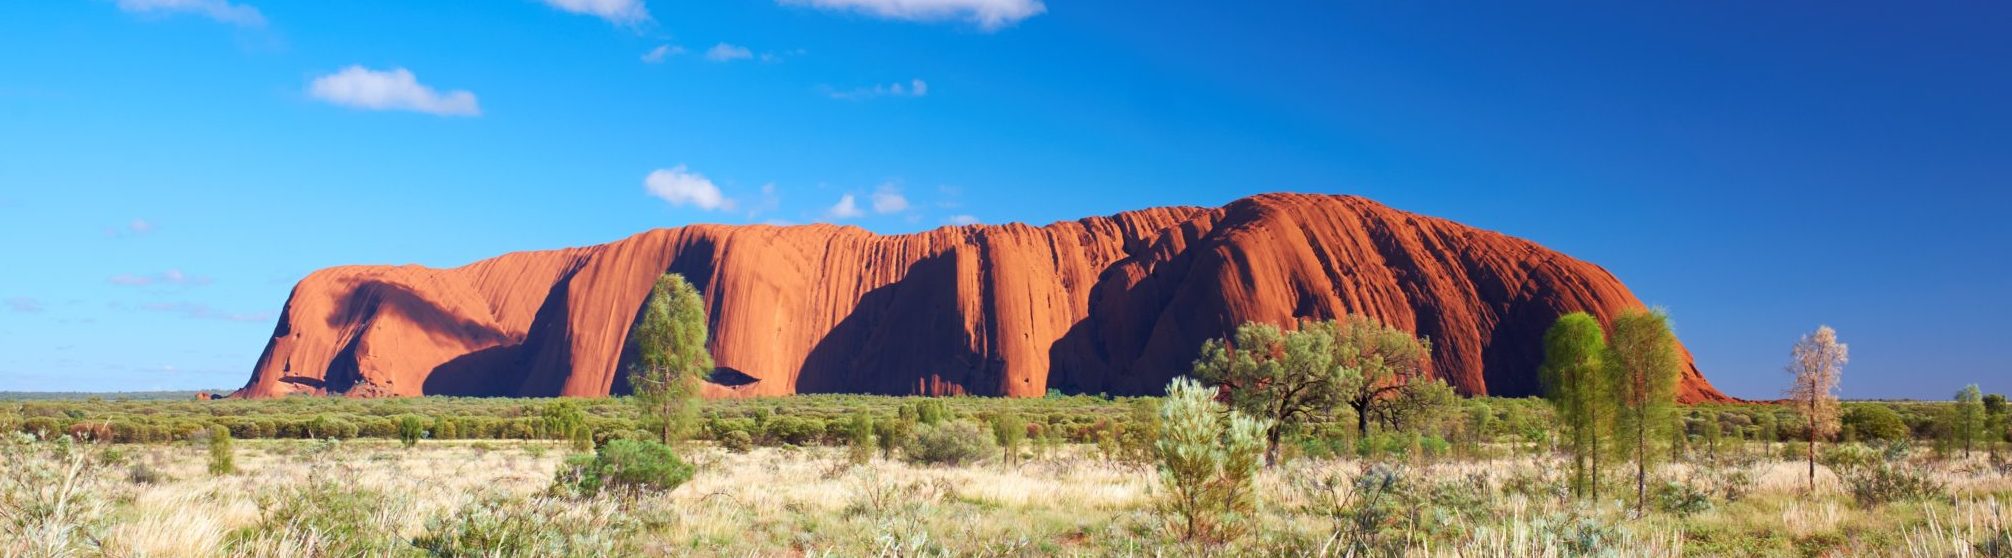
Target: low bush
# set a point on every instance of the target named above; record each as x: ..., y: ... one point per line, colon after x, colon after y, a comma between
x: 737, y: 441
x: 623, y: 466
x: 1681, y: 498
x: 1883, y: 484
x: 949, y: 443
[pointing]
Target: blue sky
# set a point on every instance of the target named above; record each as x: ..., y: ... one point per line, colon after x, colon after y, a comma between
x: 168, y: 168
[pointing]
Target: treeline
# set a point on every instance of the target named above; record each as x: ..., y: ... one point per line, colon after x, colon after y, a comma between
x: 1479, y: 424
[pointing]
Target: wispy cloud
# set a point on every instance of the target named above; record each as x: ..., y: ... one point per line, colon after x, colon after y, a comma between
x: 846, y: 208
x: 197, y: 311
x: 24, y: 305
x: 138, y: 227
x: 619, y: 12
x: 914, y: 88
x: 173, y: 277
x: 680, y: 186
x: 888, y: 199
x: 961, y: 220
x: 989, y: 15
x: 394, y: 89
x: 770, y: 201
x: 661, y: 53
x: 727, y: 53
x: 219, y: 10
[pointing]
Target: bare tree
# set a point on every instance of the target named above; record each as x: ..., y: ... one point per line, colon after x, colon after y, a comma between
x: 1817, y: 361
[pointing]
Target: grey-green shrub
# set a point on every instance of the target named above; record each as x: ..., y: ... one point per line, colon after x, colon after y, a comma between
x: 1209, y: 458
x: 949, y: 443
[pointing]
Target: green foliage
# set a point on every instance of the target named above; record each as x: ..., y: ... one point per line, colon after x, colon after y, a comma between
x: 333, y: 517
x: 624, y: 467
x: 1970, y: 414
x: 894, y: 434
x: 1387, y: 363
x: 583, y: 438
x: 737, y: 441
x: 1874, y: 423
x: 223, y: 459
x: 1209, y: 460
x: 672, y: 361
x: 949, y: 443
x: 1886, y: 483
x: 1009, y: 431
x: 1681, y: 498
x: 1642, y: 365
x: 859, y: 445
x: 410, y: 430
x: 561, y: 418
x: 501, y: 527
x: 1289, y: 378
x: 929, y: 412
x: 1138, y: 434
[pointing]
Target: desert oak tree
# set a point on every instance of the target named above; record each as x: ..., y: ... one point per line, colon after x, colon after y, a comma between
x: 1577, y: 388
x: 671, y: 357
x: 1642, y: 365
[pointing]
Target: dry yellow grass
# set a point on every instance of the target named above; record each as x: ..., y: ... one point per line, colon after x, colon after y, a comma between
x: 807, y: 502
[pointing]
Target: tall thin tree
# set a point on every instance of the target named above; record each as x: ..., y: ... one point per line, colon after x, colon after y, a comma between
x: 1817, y: 361
x: 1577, y: 388
x: 671, y: 357
x: 1969, y: 417
x: 1642, y: 366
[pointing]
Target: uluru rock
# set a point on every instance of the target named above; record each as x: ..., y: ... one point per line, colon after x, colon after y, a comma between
x: 1116, y: 305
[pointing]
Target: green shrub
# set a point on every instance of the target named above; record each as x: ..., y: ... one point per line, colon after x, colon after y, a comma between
x: 410, y: 430
x: 794, y: 430
x: 624, y: 466
x: 223, y: 460
x: 1882, y: 484
x: 498, y: 527
x: 950, y: 443
x: 858, y: 435
x: 1009, y: 430
x: 737, y: 441
x: 1681, y: 498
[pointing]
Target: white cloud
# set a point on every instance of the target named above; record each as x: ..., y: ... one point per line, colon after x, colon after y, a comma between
x: 726, y: 53
x: 888, y: 199
x: 989, y: 15
x: 24, y: 305
x: 197, y: 311
x: 914, y: 88
x: 657, y: 55
x: 622, y: 12
x: 169, y: 277
x: 680, y: 187
x: 394, y: 89
x: 219, y: 10
x: 769, y: 201
x: 961, y: 220
x: 139, y: 227
x: 846, y: 208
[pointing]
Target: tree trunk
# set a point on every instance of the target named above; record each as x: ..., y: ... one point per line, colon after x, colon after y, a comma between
x: 1272, y: 436
x: 1595, y: 486
x: 1812, y: 457
x: 1361, y: 421
x: 1642, y: 468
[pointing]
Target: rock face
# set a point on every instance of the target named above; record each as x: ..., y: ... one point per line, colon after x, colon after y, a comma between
x: 1115, y: 304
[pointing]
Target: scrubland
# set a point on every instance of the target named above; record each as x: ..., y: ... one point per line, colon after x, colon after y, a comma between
x: 496, y: 498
